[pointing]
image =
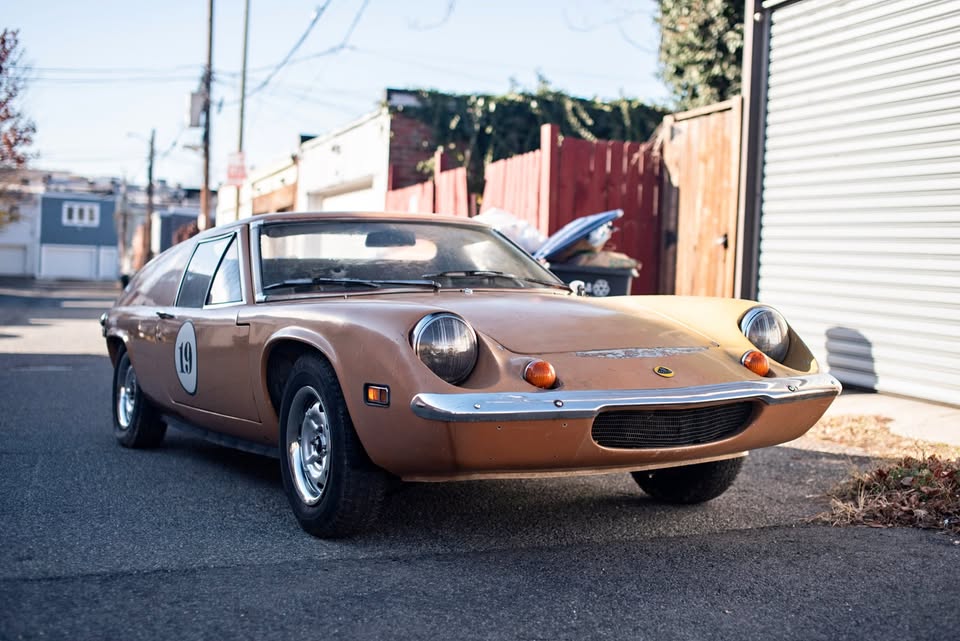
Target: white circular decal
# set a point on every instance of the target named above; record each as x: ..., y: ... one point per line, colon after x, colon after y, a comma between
x: 601, y: 287
x: 185, y: 357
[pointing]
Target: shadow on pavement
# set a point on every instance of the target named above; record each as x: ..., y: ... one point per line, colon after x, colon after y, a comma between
x: 778, y: 486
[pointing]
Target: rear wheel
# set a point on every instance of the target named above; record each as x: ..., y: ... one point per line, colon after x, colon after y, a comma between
x: 136, y: 423
x: 690, y: 483
x: 333, y: 487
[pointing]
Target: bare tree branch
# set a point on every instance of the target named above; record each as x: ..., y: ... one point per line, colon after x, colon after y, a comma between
x: 417, y: 26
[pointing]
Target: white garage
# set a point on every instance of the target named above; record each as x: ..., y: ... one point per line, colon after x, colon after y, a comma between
x: 857, y: 123
x: 66, y: 261
x: 78, y: 263
x: 355, y: 197
x: 13, y: 260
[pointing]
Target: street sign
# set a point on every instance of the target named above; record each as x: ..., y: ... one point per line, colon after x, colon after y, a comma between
x: 236, y: 168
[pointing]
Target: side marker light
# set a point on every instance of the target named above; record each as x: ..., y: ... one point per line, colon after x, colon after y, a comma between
x: 377, y: 395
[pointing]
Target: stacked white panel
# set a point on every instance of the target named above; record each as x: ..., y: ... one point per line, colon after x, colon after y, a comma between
x: 860, y: 222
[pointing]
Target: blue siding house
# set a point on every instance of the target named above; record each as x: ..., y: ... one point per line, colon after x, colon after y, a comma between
x: 78, y: 238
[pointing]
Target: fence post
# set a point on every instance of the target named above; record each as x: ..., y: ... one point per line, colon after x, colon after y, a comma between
x: 549, y: 176
x: 441, y: 162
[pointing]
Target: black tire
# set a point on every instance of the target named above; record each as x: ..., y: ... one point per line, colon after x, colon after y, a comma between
x: 136, y: 422
x: 689, y: 483
x: 333, y: 487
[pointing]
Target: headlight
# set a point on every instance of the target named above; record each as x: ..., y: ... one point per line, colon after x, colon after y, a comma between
x: 766, y: 328
x: 447, y: 345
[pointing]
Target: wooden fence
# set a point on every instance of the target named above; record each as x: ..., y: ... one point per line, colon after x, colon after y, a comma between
x: 415, y: 199
x: 513, y: 185
x: 446, y: 193
x: 701, y: 172
x: 567, y: 178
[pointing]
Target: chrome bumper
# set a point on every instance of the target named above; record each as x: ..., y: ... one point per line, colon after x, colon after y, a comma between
x: 561, y: 404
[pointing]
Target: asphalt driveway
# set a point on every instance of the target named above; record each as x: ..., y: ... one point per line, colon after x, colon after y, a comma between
x: 197, y: 541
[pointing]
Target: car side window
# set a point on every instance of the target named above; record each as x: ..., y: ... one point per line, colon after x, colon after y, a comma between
x: 196, y: 280
x: 226, y: 282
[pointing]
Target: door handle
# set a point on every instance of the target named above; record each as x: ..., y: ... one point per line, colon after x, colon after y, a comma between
x: 723, y: 241
x: 165, y: 315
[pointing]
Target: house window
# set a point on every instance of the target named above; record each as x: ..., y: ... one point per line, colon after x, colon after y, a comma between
x: 81, y: 214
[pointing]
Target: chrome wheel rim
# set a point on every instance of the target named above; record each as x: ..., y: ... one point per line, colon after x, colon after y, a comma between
x: 126, y: 396
x: 308, y: 445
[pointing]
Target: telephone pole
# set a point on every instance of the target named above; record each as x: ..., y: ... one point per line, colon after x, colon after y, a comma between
x: 204, y: 221
x: 243, y: 89
x: 148, y: 222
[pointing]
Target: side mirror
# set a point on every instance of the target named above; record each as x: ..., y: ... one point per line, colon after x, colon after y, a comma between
x: 578, y: 287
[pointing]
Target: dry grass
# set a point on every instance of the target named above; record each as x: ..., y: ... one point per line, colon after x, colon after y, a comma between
x: 911, y: 492
x: 869, y: 435
x: 912, y: 483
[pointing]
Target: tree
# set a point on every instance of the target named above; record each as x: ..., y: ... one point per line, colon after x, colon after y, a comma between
x: 701, y: 49
x: 16, y: 130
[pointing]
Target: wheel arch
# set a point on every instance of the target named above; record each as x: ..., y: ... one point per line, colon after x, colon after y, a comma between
x: 281, y: 351
x: 116, y: 345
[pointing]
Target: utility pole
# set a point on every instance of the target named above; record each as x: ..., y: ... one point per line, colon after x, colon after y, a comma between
x: 147, y: 224
x: 243, y: 88
x: 204, y: 221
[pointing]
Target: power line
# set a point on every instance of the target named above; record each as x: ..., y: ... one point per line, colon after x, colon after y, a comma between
x: 109, y: 80
x: 173, y: 145
x: 417, y: 58
x: 301, y: 97
x: 401, y: 59
x: 113, y: 70
x: 280, y: 65
x: 343, y: 45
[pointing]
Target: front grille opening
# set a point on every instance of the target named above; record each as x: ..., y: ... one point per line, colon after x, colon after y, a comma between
x: 659, y: 428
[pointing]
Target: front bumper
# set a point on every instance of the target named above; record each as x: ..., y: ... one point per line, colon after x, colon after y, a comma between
x: 585, y: 404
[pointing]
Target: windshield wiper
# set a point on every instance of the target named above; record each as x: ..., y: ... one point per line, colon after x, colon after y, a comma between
x: 350, y: 282
x: 483, y: 273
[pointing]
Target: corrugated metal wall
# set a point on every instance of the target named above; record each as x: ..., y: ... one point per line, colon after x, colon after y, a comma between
x: 860, y: 214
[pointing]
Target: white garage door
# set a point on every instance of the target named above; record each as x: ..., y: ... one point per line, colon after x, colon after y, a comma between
x: 357, y: 200
x: 13, y: 260
x: 108, y: 267
x: 860, y: 219
x: 64, y: 261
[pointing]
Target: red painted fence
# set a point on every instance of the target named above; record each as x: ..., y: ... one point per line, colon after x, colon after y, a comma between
x: 445, y: 194
x: 568, y: 178
x: 565, y: 179
x: 451, y: 192
x: 415, y: 199
x: 513, y: 184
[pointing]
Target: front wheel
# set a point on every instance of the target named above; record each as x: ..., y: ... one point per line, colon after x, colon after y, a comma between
x: 690, y: 483
x: 333, y: 487
x: 136, y: 423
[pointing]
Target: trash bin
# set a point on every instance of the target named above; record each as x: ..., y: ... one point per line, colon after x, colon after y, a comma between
x: 599, y: 281
x: 574, y: 254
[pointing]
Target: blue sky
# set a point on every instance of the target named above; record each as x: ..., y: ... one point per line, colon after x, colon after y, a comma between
x: 105, y: 72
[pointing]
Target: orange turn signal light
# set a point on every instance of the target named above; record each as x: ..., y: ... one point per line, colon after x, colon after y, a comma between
x: 757, y: 362
x: 378, y: 395
x: 540, y: 374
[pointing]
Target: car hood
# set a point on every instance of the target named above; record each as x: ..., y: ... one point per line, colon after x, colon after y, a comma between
x: 544, y: 324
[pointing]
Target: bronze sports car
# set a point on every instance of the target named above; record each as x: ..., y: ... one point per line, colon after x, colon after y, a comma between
x: 365, y: 348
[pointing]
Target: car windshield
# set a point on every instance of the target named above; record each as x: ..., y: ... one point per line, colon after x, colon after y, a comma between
x: 372, y: 254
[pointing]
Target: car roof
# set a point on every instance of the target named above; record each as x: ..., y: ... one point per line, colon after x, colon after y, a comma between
x: 339, y: 215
